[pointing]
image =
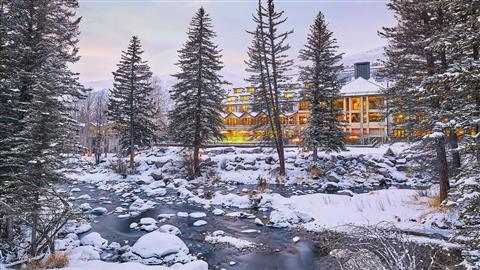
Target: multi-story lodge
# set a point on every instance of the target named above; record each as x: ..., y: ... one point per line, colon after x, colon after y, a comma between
x: 361, y: 104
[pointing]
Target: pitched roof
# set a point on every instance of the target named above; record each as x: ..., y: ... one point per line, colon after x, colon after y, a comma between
x: 360, y: 87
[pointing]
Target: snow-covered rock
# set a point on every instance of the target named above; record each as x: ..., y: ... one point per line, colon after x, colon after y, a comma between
x: 199, y: 223
x: 167, y: 228
x: 218, y: 212
x: 232, y: 241
x: 156, y: 192
x: 85, y: 207
x: 84, y: 197
x: 283, y: 218
x: 259, y: 222
x: 197, y: 215
x: 99, y: 211
x: 94, y: 239
x: 140, y: 205
x: 182, y: 214
x: 159, y: 244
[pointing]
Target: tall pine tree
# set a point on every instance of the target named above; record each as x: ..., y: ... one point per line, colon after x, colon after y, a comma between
x: 324, y: 130
x: 42, y: 43
x: 198, y: 94
x: 464, y: 73
x: 417, y: 62
x: 130, y: 106
x: 269, y: 64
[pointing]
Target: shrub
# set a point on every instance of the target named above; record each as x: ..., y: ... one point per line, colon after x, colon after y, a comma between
x: 56, y: 260
x: 315, y: 171
x: 119, y: 166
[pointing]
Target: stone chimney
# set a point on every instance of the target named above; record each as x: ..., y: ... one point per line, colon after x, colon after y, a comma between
x: 362, y: 69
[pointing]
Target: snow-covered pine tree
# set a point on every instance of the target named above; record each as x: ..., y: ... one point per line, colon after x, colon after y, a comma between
x: 268, y: 53
x: 130, y: 106
x: 416, y: 61
x: 405, y: 64
x: 464, y: 40
x: 44, y: 38
x: 320, y: 72
x: 463, y: 76
x: 8, y: 118
x: 198, y: 94
x: 8, y: 122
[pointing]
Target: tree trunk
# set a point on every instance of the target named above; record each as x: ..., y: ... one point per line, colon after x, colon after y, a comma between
x: 98, y: 151
x: 33, y: 239
x: 315, y: 154
x: 442, y: 168
x: 196, y: 161
x: 276, y: 107
x: 477, y: 99
x: 453, y: 140
x: 132, y: 154
x: 9, y: 228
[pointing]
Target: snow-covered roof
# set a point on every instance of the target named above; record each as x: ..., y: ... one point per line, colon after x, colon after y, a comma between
x: 360, y: 87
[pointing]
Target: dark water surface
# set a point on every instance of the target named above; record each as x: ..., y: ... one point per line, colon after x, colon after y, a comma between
x: 275, y: 247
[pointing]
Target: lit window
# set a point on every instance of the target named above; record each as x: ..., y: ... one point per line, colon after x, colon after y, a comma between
x: 302, y: 119
x: 356, y: 103
x: 375, y: 117
x: 375, y: 103
x: 244, y: 98
x: 355, y: 118
x: 244, y: 108
x: 304, y: 105
x: 230, y: 108
x: 247, y: 121
x: 338, y: 104
x: 237, y: 90
x: 288, y: 95
x: 399, y: 118
x: 250, y: 90
x: 231, y: 99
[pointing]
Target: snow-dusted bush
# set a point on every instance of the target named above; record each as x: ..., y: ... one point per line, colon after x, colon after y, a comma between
x: 380, y: 247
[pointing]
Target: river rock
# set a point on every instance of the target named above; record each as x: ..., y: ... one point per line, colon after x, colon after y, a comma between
x: 156, y: 177
x: 167, y: 228
x: 159, y: 244
x: 199, y: 223
x: 94, y: 239
x: 99, y: 211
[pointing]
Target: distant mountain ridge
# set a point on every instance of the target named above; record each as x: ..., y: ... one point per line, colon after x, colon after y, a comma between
x: 372, y: 56
x: 167, y: 81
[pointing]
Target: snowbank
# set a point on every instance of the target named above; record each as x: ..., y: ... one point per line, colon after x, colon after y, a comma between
x: 402, y: 207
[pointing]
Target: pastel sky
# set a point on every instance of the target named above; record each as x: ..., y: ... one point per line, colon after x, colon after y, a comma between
x: 107, y: 26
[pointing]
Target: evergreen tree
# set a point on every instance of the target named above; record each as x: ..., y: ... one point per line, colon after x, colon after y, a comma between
x: 130, y: 106
x: 42, y: 42
x: 198, y: 94
x: 405, y: 64
x: 416, y: 62
x: 269, y: 64
x: 464, y: 40
x: 324, y: 130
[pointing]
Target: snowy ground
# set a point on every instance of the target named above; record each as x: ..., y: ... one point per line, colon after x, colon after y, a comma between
x: 158, y: 217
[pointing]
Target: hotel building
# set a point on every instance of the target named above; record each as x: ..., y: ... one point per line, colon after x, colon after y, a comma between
x: 361, y: 103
